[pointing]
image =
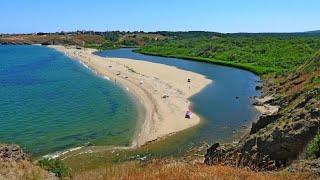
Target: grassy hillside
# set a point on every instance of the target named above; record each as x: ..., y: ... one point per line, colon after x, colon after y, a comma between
x: 53, y: 39
x: 260, y: 54
x: 290, y: 65
x: 170, y: 169
x: 108, y: 40
x: 294, y: 58
x: 14, y: 164
x: 278, y: 139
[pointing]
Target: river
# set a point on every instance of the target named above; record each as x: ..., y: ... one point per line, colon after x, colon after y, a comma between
x: 225, y: 105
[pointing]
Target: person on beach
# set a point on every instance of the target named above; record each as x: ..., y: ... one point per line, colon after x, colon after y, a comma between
x: 188, y: 114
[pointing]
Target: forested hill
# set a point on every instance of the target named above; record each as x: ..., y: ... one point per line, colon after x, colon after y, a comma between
x: 207, y: 34
x: 259, y: 53
x: 317, y: 32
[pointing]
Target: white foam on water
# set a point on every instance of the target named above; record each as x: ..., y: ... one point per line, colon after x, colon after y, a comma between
x: 106, y: 77
x: 58, y: 154
x: 98, y: 74
x: 83, y: 64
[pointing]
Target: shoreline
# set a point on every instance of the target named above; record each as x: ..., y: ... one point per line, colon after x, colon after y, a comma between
x: 209, y: 61
x: 164, y: 97
x: 263, y: 107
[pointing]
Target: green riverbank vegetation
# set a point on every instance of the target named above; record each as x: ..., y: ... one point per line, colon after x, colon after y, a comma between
x: 261, y: 54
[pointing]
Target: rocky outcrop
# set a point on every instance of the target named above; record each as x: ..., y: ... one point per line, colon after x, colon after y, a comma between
x: 54, y: 42
x: 263, y: 121
x: 11, y: 152
x: 274, y: 140
x: 232, y: 156
x: 14, y: 164
x: 278, y: 139
x: 312, y: 166
x: 15, y: 43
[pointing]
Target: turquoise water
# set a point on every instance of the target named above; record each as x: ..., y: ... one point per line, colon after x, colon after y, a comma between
x: 225, y: 105
x: 51, y: 103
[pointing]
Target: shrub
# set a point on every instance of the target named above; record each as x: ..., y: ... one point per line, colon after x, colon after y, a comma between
x: 313, y: 149
x: 56, y: 166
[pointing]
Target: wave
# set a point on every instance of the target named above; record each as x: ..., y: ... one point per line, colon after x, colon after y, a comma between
x: 60, y: 153
x: 106, y: 77
x: 85, y: 65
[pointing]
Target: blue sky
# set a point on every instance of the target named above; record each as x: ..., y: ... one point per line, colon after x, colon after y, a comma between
x: 25, y: 16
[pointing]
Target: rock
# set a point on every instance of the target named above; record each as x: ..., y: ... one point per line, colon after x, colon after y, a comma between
x: 57, y: 43
x: 258, y: 87
x: 274, y: 140
x: 165, y: 96
x: 14, y: 164
x: 297, y: 126
x: 263, y: 121
x: 276, y: 134
x: 12, y: 152
x: 213, y: 148
x: 315, y: 113
x: 47, y: 43
x: 310, y: 165
x: 211, y: 152
x: 257, y: 103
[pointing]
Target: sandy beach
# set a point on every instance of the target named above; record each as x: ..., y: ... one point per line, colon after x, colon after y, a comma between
x: 163, y: 91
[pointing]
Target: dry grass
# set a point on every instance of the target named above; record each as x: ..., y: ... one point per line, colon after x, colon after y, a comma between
x: 22, y: 170
x: 74, y: 39
x: 176, y: 170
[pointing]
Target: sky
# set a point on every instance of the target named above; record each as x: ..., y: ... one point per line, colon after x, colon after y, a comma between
x: 228, y: 16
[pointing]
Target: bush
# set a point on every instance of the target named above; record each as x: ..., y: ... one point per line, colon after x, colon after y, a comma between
x: 56, y: 166
x: 313, y: 149
x: 265, y: 54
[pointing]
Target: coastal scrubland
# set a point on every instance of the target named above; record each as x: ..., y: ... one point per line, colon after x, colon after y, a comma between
x: 262, y: 54
x: 109, y: 40
x: 170, y: 169
x: 285, y: 142
x: 289, y: 67
x: 259, y: 54
x: 15, y: 164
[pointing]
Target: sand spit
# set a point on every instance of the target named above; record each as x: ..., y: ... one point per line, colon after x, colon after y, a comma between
x: 162, y: 90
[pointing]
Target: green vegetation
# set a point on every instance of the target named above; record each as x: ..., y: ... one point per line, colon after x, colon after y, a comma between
x: 112, y: 40
x: 315, y: 80
x: 260, y: 54
x: 188, y: 34
x: 104, y: 46
x: 313, y: 149
x: 112, y: 36
x: 56, y: 166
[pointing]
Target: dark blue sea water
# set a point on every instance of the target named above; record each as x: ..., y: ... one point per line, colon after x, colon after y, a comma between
x: 49, y: 103
x: 225, y: 105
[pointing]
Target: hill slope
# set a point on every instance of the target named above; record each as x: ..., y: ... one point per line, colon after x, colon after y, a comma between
x: 14, y: 164
x: 278, y: 139
x: 259, y: 54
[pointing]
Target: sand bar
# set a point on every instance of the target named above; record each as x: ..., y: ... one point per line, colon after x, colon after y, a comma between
x: 162, y: 90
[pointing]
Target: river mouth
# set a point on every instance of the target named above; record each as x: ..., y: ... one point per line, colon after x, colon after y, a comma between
x: 225, y: 105
x: 104, y: 120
